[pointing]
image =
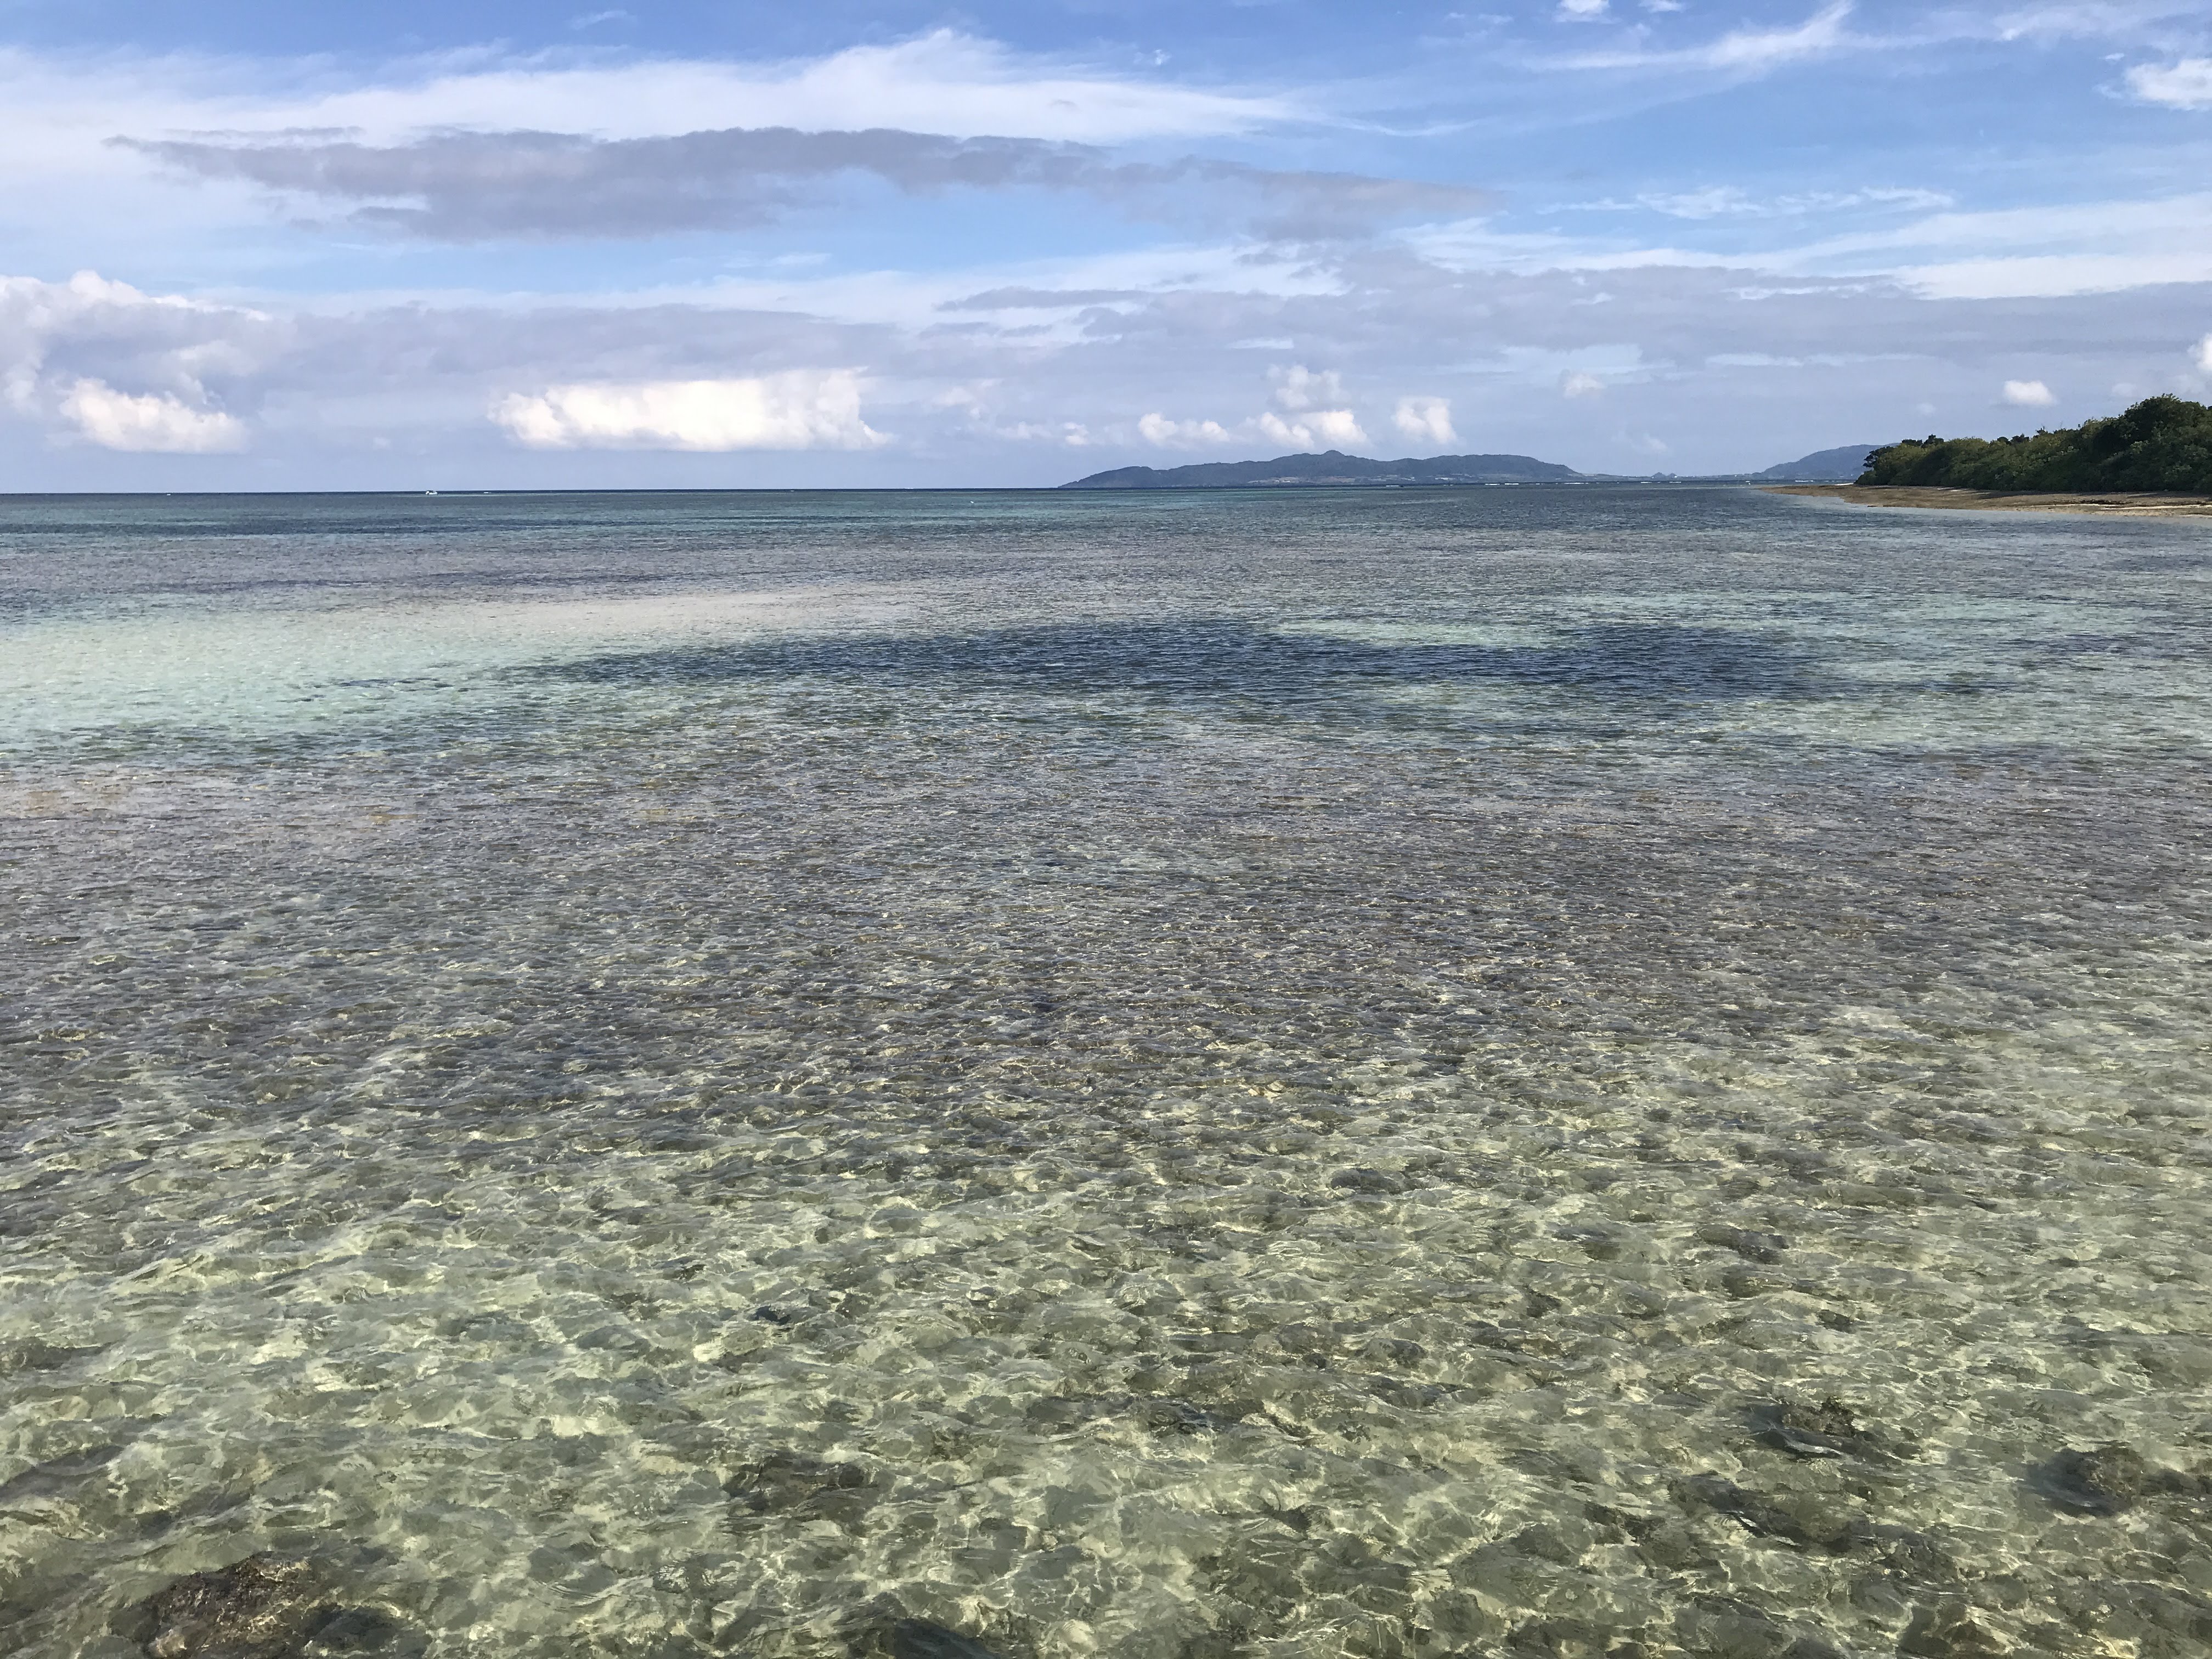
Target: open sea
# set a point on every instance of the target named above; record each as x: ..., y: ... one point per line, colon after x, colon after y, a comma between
x: 1544, y: 1072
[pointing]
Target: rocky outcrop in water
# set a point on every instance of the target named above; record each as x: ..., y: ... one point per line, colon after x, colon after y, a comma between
x: 265, y: 1606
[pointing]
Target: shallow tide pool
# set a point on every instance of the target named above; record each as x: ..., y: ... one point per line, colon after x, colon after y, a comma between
x: 1547, y: 1073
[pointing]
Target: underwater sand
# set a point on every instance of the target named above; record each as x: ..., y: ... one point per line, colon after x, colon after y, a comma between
x: 1175, y: 1076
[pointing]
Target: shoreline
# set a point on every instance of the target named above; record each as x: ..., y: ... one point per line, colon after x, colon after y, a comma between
x: 2120, y: 503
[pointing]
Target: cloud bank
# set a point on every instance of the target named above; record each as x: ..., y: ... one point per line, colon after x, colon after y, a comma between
x: 465, y: 187
x: 467, y: 393
x: 804, y: 409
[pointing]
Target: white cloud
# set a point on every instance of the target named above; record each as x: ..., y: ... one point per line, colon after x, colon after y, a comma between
x: 1582, y: 385
x: 803, y: 409
x: 1724, y: 201
x: 2108, y: 20
x: 1073, y: 435
x: 1742, y: 51
x: 1581, y: 11
x: 2044, y: 252
x: 2204, y: 354
x: 921, y: 299
x: 1299, y: 387
x: 1329, y: 427
x: 69, y: 194
x: 1161, y: 433
x: 150, y: 422
x: 1713, y: 202
x: 2054, y: 275
x: 67, y: 348
x: 1425, y: 420
x: 2029, y: 394
x: 942, y: 82
x: 1313, y: 428
x: 2184, y: 85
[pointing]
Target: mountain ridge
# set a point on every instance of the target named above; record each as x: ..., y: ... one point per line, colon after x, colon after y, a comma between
x: 1331, y: 467
x: 1841, y: 465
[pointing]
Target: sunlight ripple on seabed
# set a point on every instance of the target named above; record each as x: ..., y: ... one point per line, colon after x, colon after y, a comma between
x: 1529, y: 1072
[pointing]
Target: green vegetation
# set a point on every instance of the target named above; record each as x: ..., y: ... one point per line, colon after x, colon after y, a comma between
x: 2160, y: 444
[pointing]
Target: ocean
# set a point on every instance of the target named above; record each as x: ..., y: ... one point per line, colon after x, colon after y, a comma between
x: 1547, y: 1072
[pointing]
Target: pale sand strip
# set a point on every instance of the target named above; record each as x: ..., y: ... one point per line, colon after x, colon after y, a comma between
x: 1991, y: 501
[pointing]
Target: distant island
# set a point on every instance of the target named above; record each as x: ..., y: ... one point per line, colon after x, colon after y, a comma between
x: 2161, y: 445
x: 1839, y: 465
x: 1333, y: 467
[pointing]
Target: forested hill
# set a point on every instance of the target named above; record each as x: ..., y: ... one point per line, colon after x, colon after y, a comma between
x: 1331, y: 467
x: 2160, y: 444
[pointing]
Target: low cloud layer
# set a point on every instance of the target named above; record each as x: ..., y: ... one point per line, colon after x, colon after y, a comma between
x: 470, y: 187
x: 1692, y: 369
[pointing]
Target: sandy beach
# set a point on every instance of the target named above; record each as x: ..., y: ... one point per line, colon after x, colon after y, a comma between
x: 1989, y: 500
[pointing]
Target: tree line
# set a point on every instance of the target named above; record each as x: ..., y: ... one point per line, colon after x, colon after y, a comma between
x: 2161, y: 443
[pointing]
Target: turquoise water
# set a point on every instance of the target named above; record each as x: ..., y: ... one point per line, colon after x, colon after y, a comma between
x: 1274, y: 1074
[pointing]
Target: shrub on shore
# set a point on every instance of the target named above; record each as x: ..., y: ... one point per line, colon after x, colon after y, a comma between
x: 2160, y: 444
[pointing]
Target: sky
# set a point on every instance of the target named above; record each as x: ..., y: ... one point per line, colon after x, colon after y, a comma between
x: 496, y: 246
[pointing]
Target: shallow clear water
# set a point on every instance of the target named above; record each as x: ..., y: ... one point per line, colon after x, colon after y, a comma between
x: 1183, y: 1076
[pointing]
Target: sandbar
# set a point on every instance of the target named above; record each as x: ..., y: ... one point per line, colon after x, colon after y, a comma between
x: 2138, y: 506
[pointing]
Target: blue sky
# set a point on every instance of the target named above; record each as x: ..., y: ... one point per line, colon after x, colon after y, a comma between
x: 276, y: 246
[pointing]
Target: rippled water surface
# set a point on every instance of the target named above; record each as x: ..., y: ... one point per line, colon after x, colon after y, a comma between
x: 1537, y: 1072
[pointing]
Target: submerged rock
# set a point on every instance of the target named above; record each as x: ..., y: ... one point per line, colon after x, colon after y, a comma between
x: 265, y: 1606
x: 786, y: 1483
x: 33, y: 1355
x: 1767, y: 1518
x: 364, y: 1633
x: 1826, y: 1430
x: 1950, y: 1631
x: 780, y: 1314
x: 1915, y: 1556
x: 1364, y: 1180
x: 917, y: 1639
x: 56, y: 1475
x: 1511, y: 1339
x: 2109, y: 1480
x: 1568, y: 1638
x: 1062, y: 1413
x: 1765, y: 1249
x: 1724, y: 1624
